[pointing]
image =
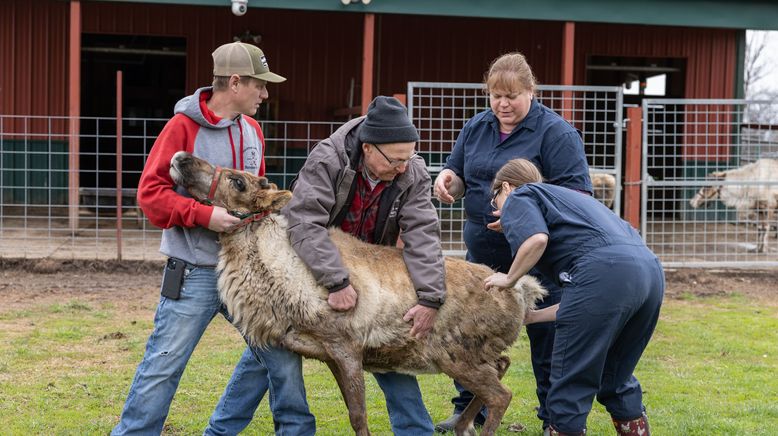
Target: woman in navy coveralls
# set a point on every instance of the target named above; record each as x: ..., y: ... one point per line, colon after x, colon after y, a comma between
x: 612, y: 291
x: 516, y: 125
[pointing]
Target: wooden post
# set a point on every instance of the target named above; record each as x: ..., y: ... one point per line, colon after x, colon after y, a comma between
x: 368, y: 42
x: 74, y: 111
x: 632, y: 176
x: 119, y: 165
x: 568, y: 63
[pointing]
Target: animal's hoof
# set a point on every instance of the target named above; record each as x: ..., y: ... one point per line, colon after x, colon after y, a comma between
x: 517, y: 427
x: 448, y: 424
x: 469, y: 431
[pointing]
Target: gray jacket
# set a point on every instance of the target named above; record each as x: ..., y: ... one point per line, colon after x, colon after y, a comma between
x: 322, y: 195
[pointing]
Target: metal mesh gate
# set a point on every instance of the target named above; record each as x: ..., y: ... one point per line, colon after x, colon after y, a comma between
x: 694, y: 146
x: 440, y: 110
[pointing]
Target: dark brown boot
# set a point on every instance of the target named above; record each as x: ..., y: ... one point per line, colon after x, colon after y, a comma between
x: 633, y: 427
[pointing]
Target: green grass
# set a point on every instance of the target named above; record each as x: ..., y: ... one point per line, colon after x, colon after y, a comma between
x: 711, y: 369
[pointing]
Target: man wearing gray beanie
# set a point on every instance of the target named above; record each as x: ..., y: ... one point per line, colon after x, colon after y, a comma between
x: 367, y: 180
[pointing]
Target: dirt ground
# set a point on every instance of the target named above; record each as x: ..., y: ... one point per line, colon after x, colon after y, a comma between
x: 30, y: 282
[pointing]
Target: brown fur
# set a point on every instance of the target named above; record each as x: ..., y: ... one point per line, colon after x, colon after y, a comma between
x: 604, y: 187
x: 274, y: 299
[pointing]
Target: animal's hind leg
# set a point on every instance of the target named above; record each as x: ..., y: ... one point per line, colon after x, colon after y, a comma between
x: 496, y: 391
x: 347, y: 369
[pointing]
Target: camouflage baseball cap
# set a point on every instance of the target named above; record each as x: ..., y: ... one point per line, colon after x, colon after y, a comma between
x: 244, y: 60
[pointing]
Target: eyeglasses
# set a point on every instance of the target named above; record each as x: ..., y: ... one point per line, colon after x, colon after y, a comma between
x: 394, y: 163
x: 495, y: 193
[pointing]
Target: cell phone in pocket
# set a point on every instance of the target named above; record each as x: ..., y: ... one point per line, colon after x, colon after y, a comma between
x: 173, y: 278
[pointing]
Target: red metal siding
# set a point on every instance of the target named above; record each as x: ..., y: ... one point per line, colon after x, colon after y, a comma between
x: 711, y: 56
x: 318, y: 52
x: 451, y: 49
x: 710, y: 53
x: 33, y: 55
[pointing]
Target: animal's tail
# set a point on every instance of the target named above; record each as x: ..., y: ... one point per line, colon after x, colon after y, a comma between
x: 530, y: 289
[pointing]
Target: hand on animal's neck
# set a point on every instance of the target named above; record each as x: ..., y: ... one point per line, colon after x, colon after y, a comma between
x: 221, y: 106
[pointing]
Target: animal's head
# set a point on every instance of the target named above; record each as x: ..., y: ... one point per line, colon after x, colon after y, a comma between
x: 708, y: 193
x: 237, y: 191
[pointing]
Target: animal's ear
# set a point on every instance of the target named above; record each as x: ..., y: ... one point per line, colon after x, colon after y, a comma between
x: 263, y: 183
x: 273, y: 186
x: 280, y: 199
x: 718, y: 174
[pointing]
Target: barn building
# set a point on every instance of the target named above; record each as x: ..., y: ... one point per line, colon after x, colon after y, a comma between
x: 59, y: 60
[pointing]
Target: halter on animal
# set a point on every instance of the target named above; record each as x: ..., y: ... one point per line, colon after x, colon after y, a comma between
x: 245, y: 218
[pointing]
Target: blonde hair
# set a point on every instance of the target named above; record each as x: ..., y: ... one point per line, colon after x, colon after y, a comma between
x: 510, y: 72
x: 517, y: 172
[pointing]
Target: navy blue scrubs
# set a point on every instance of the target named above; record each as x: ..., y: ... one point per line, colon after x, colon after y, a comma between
x: 612, y: 291
x: 556, y: 148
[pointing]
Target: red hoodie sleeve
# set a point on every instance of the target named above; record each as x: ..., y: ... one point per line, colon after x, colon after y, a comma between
x: 163, y: 206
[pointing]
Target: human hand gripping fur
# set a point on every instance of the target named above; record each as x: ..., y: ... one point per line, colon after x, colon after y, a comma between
x: 500, y: 280
x: 422, y: 318
x: 343, y: 300
x: 221, y: 220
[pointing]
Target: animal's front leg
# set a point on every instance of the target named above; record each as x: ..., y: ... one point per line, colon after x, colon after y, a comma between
x: 762, y: 233
x: 346, y: 366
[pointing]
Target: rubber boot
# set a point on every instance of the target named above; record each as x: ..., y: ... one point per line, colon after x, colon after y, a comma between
x: 633, y: 427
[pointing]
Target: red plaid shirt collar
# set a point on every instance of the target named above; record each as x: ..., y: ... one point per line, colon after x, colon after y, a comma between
x: 363, y: 213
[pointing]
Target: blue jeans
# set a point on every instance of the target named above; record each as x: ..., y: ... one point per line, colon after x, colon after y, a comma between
x: 407, y: 413
x: 178, y: 327
x: 277, y: 370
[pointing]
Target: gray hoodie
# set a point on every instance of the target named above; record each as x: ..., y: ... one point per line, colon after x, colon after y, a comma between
x: 236, y: 143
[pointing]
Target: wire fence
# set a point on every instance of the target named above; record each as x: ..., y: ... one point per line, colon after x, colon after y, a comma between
x: 710, y: 191
x: 440, y: 110
x: 690, y: 147
x: 36, y: 217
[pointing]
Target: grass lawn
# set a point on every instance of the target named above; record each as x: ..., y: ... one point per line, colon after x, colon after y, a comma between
x: 65, y: 367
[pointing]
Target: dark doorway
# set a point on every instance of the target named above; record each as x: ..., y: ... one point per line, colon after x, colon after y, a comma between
x: 640, y: 78
x: 154, y: 77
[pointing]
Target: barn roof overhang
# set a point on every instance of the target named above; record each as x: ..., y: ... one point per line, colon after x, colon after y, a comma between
x: 744, y: 14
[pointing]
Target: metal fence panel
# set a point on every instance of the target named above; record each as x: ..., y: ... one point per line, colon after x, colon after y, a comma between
x: 686, y: 146
x: 440, y: 110
x: 34, y: 167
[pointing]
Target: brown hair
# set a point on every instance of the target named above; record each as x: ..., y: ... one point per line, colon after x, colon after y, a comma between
x: 510, y: 72
x: 221, y: 83
x: 517, y: 172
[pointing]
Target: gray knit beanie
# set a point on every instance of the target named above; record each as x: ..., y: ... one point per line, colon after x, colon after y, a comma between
x: 387, y: 122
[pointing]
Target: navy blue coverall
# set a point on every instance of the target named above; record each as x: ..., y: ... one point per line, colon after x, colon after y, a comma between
x: 556, y: 148
x: 613, y: 287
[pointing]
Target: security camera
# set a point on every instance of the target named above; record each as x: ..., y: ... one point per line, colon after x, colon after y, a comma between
x: 239, y: 7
